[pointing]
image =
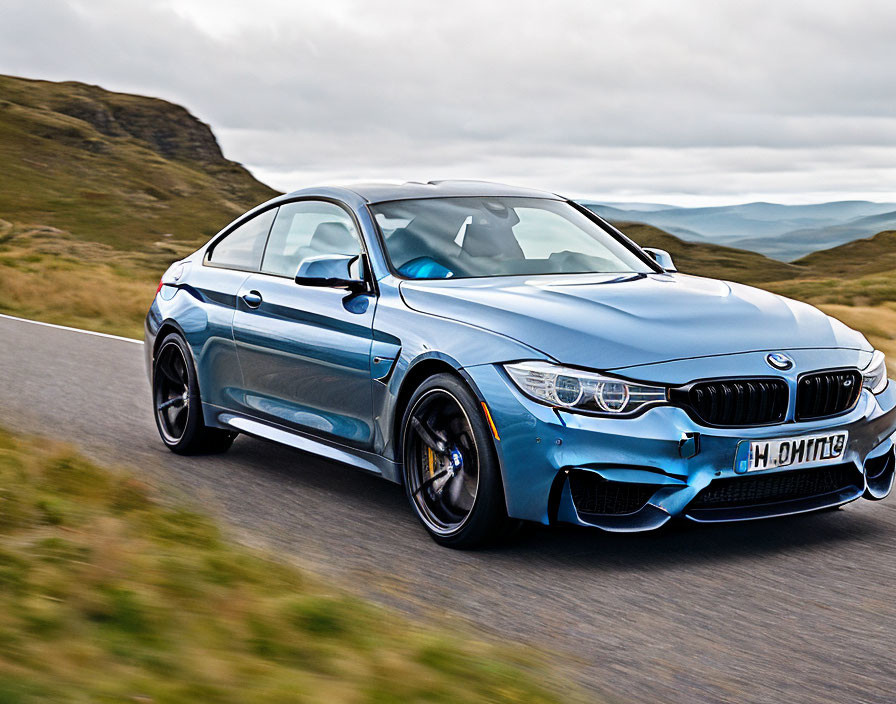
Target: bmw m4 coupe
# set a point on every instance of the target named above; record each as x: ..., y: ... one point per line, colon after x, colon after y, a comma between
x: 507, y: 355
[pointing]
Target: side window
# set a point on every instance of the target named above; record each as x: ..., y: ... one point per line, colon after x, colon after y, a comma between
x: 308, y: 228
x: 243, y: 247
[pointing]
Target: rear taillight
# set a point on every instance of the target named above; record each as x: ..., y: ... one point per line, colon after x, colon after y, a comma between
x: 171, y: 276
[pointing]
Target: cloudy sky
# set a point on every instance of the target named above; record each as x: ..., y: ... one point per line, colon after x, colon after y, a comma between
x: 688, y: 102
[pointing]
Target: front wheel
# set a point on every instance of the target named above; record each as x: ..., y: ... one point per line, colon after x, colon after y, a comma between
x: 178, y: 409
x: 451, y: 471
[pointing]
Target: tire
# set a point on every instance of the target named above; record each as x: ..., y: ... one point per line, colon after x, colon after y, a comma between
x: 177, y: 407
x: 451, y: 472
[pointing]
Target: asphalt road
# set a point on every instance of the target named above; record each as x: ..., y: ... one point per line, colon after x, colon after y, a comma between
x: 787, y: 610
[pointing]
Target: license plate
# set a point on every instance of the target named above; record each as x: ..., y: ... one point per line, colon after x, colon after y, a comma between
x: 756, y: 455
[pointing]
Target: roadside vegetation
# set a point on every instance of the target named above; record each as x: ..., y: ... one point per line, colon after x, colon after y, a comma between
x: 47, y: 274
x: 109, y: 593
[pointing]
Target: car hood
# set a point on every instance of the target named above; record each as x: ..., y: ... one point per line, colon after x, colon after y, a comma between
x: 617, y: 321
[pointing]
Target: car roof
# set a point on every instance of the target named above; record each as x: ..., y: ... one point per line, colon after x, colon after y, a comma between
x: 380, y: 192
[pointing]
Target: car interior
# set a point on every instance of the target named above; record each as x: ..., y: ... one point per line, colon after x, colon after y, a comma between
x: 469, y: 237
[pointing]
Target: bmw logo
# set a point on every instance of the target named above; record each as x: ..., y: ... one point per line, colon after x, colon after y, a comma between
x: 779, y: 360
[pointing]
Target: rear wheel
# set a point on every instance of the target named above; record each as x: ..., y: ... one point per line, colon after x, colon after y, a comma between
x: 451, y: 471
x: 178, y: 409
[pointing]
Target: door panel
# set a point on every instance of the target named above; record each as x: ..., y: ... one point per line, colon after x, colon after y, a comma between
x: 209, y: 302
x: 305, y: 357
x: 206, y: 319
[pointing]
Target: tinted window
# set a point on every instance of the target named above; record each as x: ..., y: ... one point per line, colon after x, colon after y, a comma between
x: 243, y: 247
x: 469, y: 237
x: 308, y: 228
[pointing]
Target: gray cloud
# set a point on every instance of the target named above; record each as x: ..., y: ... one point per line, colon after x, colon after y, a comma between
x: 787, y: 100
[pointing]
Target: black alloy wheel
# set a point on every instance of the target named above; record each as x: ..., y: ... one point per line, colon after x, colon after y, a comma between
x: 451, y: 470
x: 178, y: 409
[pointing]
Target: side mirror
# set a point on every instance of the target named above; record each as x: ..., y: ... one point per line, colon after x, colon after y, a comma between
x: 330, y: 271
x: 661, y: 257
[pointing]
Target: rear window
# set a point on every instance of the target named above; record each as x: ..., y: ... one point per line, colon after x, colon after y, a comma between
x: 244, y: 246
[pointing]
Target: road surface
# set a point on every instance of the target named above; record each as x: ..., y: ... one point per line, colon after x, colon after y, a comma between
x: 797, y: 609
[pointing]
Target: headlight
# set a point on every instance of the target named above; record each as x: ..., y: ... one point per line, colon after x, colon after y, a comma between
x: 874, y: 376
x: 580, y: 390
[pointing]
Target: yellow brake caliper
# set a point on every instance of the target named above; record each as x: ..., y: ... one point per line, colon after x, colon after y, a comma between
x: 431, y: 457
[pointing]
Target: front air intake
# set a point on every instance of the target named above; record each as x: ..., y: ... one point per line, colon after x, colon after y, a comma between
x: 592, y: 494
x: 826, y: 394
x: 761, y: 489
x: 734, y: 402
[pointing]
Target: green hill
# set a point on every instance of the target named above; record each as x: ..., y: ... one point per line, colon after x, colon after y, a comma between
x: 102, y: 190
x: 713, y: 260
x: 118, y: 169
x: 859, y: 273
x: 874, y: 255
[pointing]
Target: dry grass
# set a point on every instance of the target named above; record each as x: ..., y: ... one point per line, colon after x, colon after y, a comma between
x: 46, y: 274
x: 878, y: 323
x: 109, y: 595
x: 868, y: 290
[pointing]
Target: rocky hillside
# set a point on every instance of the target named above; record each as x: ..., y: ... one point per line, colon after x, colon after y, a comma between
x: 118, y: 169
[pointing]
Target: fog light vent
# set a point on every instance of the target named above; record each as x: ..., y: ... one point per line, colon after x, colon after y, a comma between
x: 592, y: 494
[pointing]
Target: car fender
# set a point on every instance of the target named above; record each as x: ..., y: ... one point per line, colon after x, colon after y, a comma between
x: 460, y: 345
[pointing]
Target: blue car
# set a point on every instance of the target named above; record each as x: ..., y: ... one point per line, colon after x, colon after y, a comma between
x: 507, y: 355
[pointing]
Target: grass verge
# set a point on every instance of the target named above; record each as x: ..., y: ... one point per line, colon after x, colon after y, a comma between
x: 109, y: 594
x: 49, y: 275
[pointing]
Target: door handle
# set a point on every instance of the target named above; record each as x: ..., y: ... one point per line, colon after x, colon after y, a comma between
x: 252, y: 299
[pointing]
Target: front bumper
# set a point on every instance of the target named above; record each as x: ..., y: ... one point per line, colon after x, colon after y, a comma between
x: 634, y: 474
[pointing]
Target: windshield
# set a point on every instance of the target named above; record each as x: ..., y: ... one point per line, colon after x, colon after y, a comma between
x: 440, y: 238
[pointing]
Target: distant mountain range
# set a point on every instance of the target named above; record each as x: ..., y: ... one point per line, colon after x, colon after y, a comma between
x: 785, y: 232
